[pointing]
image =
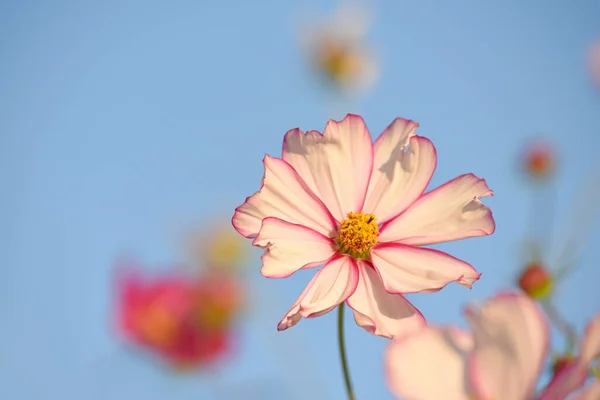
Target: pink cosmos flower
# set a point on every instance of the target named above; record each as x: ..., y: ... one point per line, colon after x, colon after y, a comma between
x: 358, y: 208
x: 501, y: 358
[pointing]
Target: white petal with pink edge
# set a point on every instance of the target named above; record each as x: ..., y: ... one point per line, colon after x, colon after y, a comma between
x: 336, y: 165
x: 400, y: 174
x: 511, y: 338
x: 429, y: 365
x: 450, y: 212
x: 409, y: 269
x: 283, y: 195
x: 379, y: 312
x: 290, y: 247
x: 397, y: 183
x: 330, y: 286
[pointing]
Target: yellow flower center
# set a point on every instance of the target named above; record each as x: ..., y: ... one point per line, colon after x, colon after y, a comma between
x: 358, y: 234
x: 338, y: 62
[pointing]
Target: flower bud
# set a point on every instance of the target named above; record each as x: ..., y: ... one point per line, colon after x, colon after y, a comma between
x: 536, y: 281
x: 539, y: 160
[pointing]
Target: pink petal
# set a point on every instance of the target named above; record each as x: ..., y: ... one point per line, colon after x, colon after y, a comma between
x: 399, y: 177
x: 379, y: 312
x: 408, y: 269
x: 571, y: 378
x: 290, y: 247
x: 330, y: 286
x: 429, y: 365
x: 574, y: 375
x: 590, y: 392
x: 285, y: 196
x: 590, y: 347
x: 511, y: 340
x: 450, y: 212
x: 336, y: 165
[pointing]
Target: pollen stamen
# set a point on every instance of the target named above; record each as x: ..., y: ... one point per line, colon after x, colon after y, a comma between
x: 358, y: 234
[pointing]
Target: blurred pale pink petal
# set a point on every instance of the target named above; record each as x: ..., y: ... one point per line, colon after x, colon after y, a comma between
x: 351, y: 20
x: 575, y: 373
x: 290, y: 247
x: 429, y: 365
x: 399, y: 177
x: 590, y: 347
x: 336, y: 165
x: 590, y: 392
x: 379, y: 312
x: 450, y: 212
x: 283, y: 195
x: 330, y: 286
x: 511, y: 340
x: 595, y: 62
x: 408, y: 269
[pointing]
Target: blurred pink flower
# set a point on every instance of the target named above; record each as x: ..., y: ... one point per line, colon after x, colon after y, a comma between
x: 184, y: 320
x: 358, y: 208
x: 501, y: 358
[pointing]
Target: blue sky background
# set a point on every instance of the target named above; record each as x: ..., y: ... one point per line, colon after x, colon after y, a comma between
x: 125, y: 122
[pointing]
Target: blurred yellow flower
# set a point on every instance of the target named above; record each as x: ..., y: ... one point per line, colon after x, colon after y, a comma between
x: 221, y: 248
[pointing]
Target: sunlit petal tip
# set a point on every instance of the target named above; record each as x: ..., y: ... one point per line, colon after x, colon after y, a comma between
x: 399, y: 130
x: 353, y: 120
x: 297, y: 134
x: 237, y: 220
x: 468, y: 281
x: 452, y: 211
x: 287, y: 323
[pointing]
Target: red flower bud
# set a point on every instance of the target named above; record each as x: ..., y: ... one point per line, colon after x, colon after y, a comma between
x: 536, y: 282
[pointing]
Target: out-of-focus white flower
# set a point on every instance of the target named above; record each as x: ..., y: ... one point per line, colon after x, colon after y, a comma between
x: 337, y: 50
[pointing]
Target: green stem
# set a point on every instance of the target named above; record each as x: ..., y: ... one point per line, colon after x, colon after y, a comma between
x: 343, y: 352
x: 560, y: 323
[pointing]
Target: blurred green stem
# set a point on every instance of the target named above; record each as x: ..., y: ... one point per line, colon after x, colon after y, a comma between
x: 561, y: 324
x: 343, y: 352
